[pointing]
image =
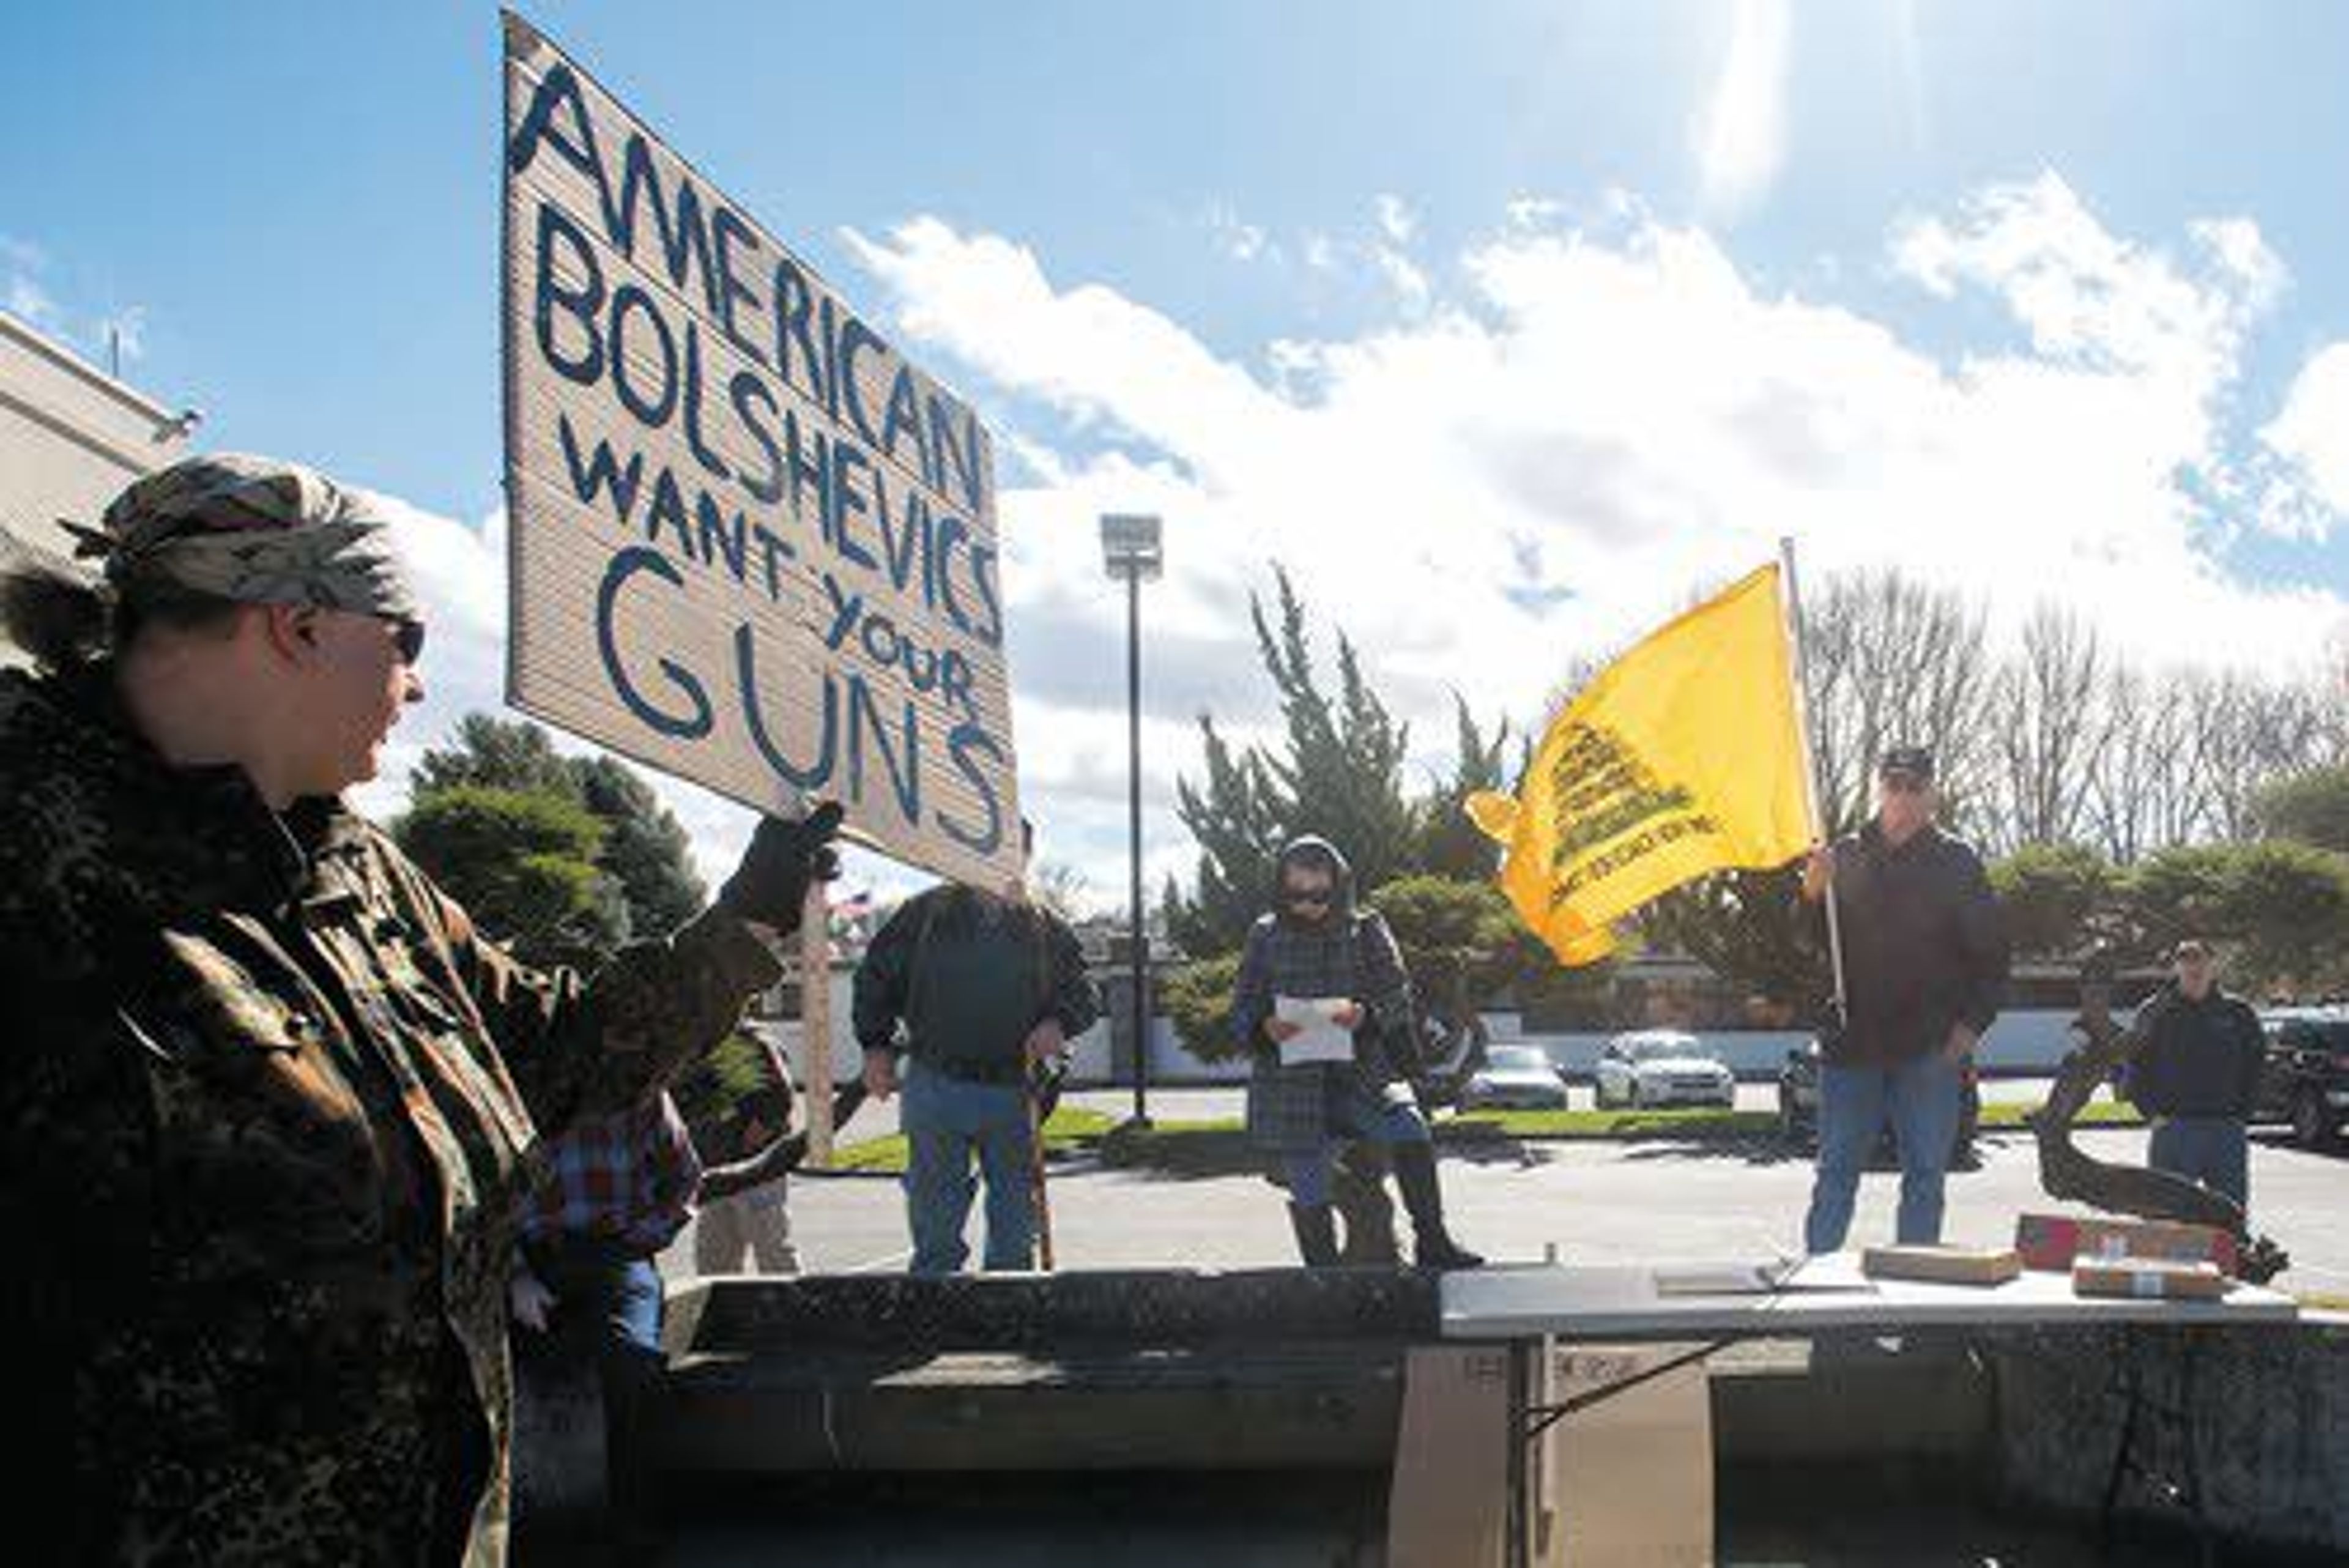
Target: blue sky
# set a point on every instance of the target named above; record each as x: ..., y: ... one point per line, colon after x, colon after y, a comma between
x: 1451, y: 250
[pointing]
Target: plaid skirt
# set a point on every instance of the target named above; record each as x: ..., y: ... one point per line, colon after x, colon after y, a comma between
x: 1288, y: 1107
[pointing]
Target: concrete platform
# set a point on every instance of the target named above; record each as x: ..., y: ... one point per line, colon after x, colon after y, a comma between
x: 1005, y: 1413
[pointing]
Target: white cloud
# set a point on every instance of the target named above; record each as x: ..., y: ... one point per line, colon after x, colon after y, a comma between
x: 1607, y: 419
x: 1240, y: 240
x: 1396, y: 219
x: 24, y: 294
x: 1403, y: 275
x: 1741, y: 132
x: 2312, y: 438
x: 2089, y: 298
x: 28, y: 302
x: 1590, y: 421
x: 1533, y: 212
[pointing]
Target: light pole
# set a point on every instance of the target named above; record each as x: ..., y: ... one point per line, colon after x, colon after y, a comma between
x: 1131, y: 550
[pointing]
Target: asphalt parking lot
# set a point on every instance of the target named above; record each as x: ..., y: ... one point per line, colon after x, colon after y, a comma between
x: 1599, y: 1202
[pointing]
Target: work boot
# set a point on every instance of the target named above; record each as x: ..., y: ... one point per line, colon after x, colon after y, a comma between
x: 1317, y: 1234
x: 1431, y: 1245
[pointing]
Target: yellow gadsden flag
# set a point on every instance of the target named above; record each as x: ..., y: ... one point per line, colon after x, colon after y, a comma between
x: 1682, y: 757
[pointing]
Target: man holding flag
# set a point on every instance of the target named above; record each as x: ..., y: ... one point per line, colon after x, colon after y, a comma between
x: 1689, y: 754
x: 1924, y: 961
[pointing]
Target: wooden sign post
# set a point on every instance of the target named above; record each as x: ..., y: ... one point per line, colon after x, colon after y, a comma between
x: 816, y: 1021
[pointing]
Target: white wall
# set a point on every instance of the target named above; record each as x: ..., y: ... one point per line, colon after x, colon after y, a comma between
x: 2021, y: 1043
x: 70, y: 437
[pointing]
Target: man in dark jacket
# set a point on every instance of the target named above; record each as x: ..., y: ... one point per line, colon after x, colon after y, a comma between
x: 1925, y: 960
x: 987, y: 988
x: 2195, y: 1070
x: 1316, y: 949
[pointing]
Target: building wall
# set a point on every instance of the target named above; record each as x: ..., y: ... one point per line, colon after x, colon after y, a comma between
x: 70, y: 437
x: 2026, y: 1041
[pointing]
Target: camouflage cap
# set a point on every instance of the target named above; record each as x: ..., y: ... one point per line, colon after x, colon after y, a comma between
x: 253, y: 530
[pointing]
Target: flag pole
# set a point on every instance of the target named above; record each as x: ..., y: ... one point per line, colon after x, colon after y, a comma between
x: 1791, y: 605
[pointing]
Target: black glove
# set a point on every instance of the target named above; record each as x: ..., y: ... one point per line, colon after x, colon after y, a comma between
x: 785, y: 858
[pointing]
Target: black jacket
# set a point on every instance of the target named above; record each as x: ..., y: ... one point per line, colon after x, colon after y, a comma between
x: 2195, y: 1058
x: 1924, y: 944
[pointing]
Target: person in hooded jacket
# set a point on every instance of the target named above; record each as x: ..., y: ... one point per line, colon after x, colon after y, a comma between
x: 1316, y: 945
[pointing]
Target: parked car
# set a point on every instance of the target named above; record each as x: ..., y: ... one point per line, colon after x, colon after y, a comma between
x: 2304, y: 1078
x: 1514, y: 1077
x: 1662, y: 1067
x: 1799, y: 1108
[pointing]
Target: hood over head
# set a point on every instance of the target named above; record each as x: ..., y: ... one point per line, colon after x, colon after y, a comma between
x: 1313, y: 850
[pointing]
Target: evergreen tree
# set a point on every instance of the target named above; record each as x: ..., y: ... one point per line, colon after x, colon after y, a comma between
x: 2309, y: 807
x: 646, y: 849
x: 1750, y: 927
x: 1340, y: 772
x: 495, y: 753
x: 642, y: 850
x: 522, y: 863
x: 1450, y: 844
x: 1336, y: 771
x: 1239, y: 822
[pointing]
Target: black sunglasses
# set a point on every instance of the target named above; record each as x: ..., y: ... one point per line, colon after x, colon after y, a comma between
x: 408, y: 637
x: 1302, y: 897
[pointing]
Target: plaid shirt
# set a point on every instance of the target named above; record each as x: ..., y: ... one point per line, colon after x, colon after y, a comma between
x: 629, y: 1177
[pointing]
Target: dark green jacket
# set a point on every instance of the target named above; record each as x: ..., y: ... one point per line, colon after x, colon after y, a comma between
x: 969, y: 975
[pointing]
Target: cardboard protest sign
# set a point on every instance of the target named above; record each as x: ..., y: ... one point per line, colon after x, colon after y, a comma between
x: 751, y: 544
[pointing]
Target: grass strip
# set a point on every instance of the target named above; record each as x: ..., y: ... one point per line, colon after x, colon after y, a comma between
x: 1070, y: 1128
x: 1219, y: 1143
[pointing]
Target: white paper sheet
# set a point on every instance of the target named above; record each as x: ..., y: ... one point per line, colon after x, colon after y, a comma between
x: 1318, y: 1037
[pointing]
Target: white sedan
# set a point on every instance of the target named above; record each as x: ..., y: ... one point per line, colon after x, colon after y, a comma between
x: 1662, y: 1067
x: 1518, y: 1078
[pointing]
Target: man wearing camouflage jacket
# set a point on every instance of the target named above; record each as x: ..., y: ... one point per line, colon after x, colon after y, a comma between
x: 269, y: 1103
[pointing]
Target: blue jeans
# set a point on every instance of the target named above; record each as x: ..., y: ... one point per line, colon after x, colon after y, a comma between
x: 946, y: 1121
x: 1920, y: 1098
x: 1353, y: 1114
x: 2212, y: 1150
x: 606, y: 1298
x: 607, y: 1306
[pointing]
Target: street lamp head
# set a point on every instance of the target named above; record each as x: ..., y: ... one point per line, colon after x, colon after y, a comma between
x: 1130, y: 545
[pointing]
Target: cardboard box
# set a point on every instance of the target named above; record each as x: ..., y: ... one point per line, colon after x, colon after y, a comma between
x: 1943, y: 1265
x: 2056, y: 1242
x: 2148, y: 1280
x: 1633, y: 1476
x: 1449, y: 1504
x: 1626, y: 1481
